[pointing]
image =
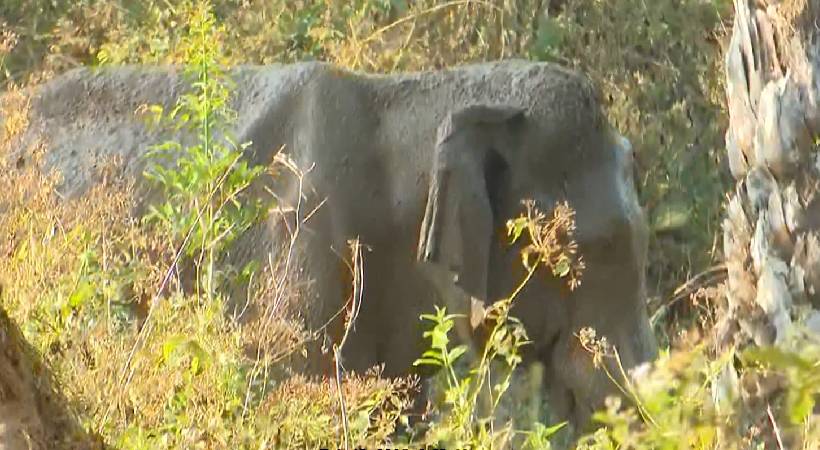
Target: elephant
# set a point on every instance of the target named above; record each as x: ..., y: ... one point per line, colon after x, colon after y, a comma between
x: 424, y: 169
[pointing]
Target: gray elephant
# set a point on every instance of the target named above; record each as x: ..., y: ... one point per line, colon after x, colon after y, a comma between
x: 424, y: 169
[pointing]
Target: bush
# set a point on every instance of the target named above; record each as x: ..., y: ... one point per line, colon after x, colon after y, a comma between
x: 758, y: 398
x: 152, y: 365
x: 145, y: 362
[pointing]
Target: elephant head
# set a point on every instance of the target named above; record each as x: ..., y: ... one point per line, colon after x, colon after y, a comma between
x: 487, y: 160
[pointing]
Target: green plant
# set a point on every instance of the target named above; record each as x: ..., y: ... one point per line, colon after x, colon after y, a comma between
x: 551, y: 245
x: 203, y: 209
x: 692, y: 399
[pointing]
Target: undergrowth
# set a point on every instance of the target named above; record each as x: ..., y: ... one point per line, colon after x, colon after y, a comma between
x: 145, y: 359
x: 758, y: 398
x: 203, y: 209
x: 148, y: 361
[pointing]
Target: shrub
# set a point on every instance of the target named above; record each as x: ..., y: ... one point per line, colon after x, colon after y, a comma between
x: 693, y: 399
x: 143, y: 362
x: 187, y: 374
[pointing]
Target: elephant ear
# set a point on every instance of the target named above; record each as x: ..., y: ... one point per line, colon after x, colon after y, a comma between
x: 457, y: 229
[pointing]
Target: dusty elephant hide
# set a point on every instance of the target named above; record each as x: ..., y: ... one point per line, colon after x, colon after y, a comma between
x: 455, y: 150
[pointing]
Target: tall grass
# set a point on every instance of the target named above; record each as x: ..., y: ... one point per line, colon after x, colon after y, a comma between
x: 146, y: 361
x: 657, y: 64
x: 188, y: 375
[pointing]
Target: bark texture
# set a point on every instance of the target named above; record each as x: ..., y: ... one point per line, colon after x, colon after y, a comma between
x: 772, y: 225
x: 33, y: 414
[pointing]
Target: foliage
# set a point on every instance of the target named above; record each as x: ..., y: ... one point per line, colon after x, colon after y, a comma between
x: 202, y: 183
x: 466, y: 422
x: 144, y: 362
x: 173, y: 369
x: 693, y: 399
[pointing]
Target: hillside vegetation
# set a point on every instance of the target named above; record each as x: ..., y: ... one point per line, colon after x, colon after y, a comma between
x: 142, y: 361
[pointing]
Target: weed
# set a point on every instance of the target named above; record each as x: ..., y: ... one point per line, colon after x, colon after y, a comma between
x: 80, y: 284
x: 203, y: 183
x: 551, y: 245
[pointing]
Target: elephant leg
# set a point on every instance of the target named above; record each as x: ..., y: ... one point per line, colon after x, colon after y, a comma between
x: 324, y: 302
x: 580, y: 387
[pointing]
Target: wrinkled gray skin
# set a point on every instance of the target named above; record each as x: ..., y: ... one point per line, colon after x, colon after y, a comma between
x: 425, y: 169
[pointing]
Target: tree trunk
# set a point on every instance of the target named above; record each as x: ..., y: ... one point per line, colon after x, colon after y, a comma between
x: 33, y: 414
x: 772, y: 227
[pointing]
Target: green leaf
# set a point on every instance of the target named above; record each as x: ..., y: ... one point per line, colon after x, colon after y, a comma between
x: 515, y: 227
x: 539, y: 437
x: 670, y: 216
x: 439, y: 338
x: 81, y: 295
x: 435, y: 354
x: 427, y: 362
x: 501, y: 387
x: 562, y: 267
x: 456, y: 353
x: 550, y: 431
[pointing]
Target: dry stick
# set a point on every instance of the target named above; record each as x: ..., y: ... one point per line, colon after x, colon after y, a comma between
x: 806, y: 428
x: 252, y: 379
x: 358, y: 280
x: 775, y: 428
x: 690, y: 284
x: 282, y: 159
x: 712, y: 275
x: 425, y: 12
x: 294, y: 235
x: 629, y: 389
x: 147, y: 325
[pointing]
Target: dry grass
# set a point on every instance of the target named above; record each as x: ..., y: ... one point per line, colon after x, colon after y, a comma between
x: 80, y: 288
x: 657, y: 64
x: 79, y: 275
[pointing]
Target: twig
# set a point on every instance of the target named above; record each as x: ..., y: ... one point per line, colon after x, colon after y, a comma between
x: 689, y: 285
x: 358, y: 284
x: 775, y: 428
x: 146, y: 327
x: 710, y: 276
x: 282, y: 158
x: 342, y: 405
